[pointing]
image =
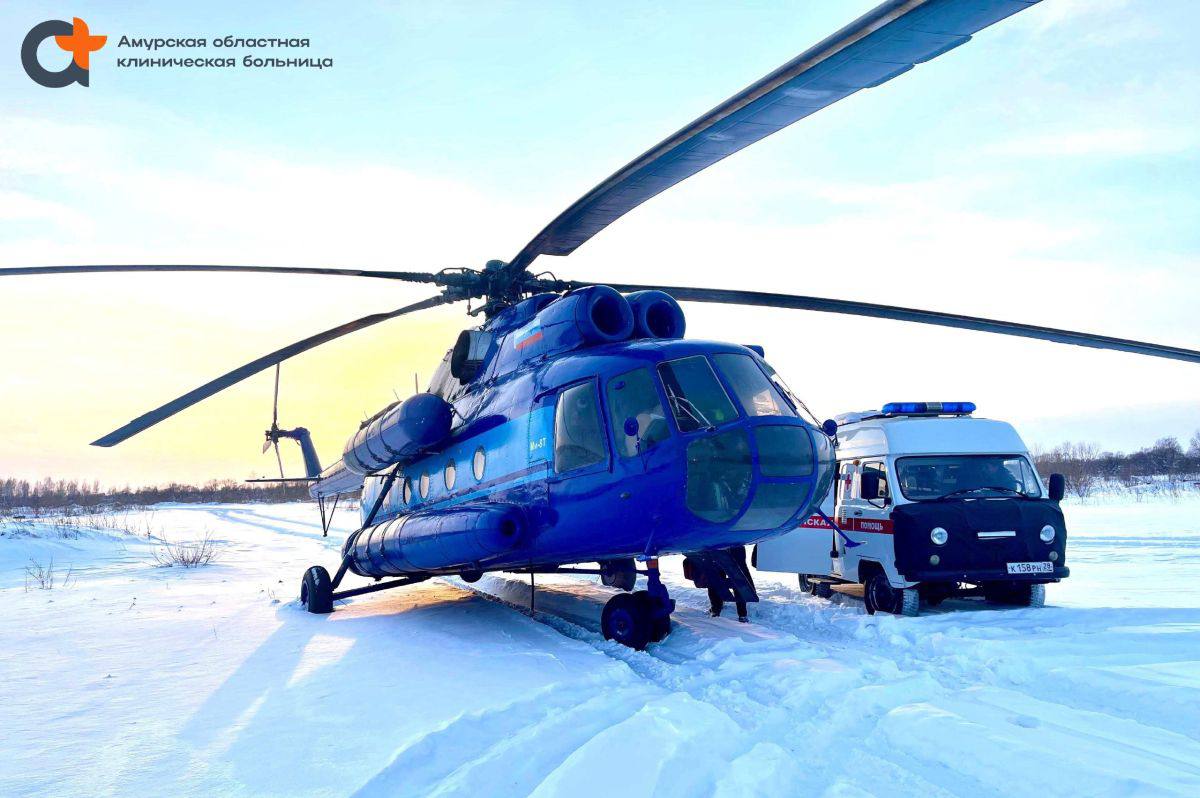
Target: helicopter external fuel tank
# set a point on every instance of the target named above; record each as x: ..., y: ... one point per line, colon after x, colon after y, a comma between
x: 465, y: 536
x: 400, y: 433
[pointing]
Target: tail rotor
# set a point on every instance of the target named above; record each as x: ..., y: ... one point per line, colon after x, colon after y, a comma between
x: 272, y: 435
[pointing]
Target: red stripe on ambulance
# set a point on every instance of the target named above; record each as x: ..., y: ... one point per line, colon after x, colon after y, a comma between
x: 880, y: 526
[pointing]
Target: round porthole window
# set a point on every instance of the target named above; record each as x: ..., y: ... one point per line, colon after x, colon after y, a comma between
x: 424, y: 485
x: 477, y: 464
x: 449, y: 475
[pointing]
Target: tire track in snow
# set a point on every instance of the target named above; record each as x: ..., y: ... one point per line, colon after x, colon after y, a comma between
x: 877, y: 669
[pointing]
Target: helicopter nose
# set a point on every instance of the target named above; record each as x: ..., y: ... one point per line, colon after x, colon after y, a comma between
x: 759, y: 476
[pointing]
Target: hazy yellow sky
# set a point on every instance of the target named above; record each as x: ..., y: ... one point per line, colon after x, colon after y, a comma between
x: 1044, y: 173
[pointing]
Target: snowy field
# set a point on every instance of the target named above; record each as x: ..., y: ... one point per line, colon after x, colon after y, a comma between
x: 136, y: 679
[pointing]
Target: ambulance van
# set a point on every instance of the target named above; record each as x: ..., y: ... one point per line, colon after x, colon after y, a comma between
x: 929, y: 503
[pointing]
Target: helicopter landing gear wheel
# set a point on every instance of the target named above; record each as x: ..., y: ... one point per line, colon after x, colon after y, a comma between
x: 638, y: 619
x: 805, y: 583
x: 660, y: 621
x: 620, y: 574
x: 628, y: 621
x: 316, y: 591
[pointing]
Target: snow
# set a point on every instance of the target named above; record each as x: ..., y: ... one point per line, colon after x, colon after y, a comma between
x: 140, y: 680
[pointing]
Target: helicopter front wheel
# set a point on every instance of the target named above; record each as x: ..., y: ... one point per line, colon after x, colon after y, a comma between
x: 316, y: 591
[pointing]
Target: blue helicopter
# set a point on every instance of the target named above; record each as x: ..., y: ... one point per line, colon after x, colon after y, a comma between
x: 577, y: 425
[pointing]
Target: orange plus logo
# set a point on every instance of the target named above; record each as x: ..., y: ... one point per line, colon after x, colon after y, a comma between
x: 74, y: 38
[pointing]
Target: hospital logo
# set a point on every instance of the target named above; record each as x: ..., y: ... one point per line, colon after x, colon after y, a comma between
x: 72, y: 37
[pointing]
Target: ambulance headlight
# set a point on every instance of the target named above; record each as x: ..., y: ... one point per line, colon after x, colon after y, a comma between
x: 939, y: 536
x: 1047, y: 534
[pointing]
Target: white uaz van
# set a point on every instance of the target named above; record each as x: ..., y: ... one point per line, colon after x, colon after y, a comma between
x: 929, y: 502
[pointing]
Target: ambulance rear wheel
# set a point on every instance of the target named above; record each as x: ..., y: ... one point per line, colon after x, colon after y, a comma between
x: 627, y: 620
x: 316, y: 591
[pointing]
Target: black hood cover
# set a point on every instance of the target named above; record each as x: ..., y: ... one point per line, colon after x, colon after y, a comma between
x: 963, y: 520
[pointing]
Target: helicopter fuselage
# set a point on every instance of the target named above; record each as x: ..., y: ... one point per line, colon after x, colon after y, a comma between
x: 636, y: 448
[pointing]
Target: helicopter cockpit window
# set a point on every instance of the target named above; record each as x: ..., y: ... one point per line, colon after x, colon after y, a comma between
x: 756, y: 393
x: 632, y: 395
x: 578, y: 437
x: 696, y: 397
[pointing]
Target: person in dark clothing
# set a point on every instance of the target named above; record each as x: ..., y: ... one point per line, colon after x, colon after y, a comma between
x: 738, y: 555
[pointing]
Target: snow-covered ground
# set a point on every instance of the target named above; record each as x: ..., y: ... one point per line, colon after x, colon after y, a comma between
x: 134, y: 679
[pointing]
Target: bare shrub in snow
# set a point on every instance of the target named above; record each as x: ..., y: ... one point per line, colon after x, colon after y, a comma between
x: 187, y: 554
x: 44, y: 577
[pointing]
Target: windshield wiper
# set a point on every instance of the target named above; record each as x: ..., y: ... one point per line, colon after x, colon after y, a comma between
x: 690, y: 410
x: 999, y: 488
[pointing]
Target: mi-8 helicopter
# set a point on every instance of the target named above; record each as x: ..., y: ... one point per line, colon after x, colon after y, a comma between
x: 577, y: 425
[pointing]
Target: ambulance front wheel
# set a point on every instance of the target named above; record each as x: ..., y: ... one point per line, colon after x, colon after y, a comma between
x: 880, y: 596
x: 1025, y: 595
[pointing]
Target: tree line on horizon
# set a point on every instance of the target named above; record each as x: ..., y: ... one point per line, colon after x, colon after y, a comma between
x: 50, y: 493
x: 1087, y: 468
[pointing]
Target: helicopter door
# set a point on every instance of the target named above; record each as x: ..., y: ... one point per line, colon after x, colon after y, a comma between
x: 637, y: 420
x: 579, y: 440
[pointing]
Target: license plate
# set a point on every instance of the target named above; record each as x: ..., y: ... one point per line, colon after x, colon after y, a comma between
x: 1030, y: 568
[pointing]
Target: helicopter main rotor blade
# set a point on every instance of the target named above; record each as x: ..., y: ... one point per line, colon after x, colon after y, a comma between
x: 896, y: 313
x: 411, y: 277
x: 240, y: 373
x: 279, y: 458
x: 875, y: 48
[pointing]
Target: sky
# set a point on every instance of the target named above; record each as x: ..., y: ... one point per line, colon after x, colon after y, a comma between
x: 1046, y: 173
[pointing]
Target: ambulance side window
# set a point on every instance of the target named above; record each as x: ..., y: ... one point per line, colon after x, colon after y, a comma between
x: 845, y: 480
x: 873, y: 484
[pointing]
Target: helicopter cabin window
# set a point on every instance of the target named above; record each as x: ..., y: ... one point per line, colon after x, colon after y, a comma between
x: 406, y: 493
x: 632, y: 395
x: 696, y: 397
x: 449, y: 475
x: 754, y: 390
x: 578, y: 437
x: 477, y: 464
x: 424, y: 485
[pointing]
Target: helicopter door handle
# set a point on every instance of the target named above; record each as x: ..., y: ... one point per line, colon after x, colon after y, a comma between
x: 858, y: 512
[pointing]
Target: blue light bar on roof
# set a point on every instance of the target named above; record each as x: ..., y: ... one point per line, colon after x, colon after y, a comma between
x: 928, y: 408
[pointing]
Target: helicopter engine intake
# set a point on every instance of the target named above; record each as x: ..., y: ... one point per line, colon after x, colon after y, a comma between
x: 656, y: 314
x: 598, y: 314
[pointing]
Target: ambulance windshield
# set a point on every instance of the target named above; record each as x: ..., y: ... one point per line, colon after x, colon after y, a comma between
x: 966, y: 476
